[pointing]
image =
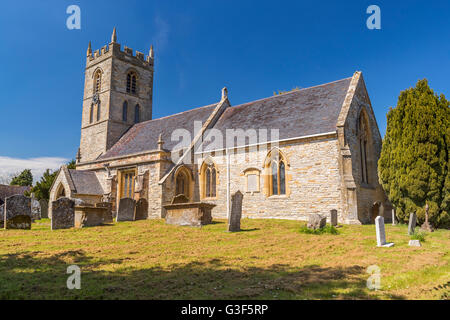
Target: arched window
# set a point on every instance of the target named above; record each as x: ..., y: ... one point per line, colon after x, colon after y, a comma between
x: 275, y: 167
x: 137, y: 115
x: 125, y: 111
x: 209, y: 181
x: 91, y: 114
x: 131, y: 82
x: 182, y: 182
x: 97, y: 81
x: 363, y: 146
x: 98, y: 111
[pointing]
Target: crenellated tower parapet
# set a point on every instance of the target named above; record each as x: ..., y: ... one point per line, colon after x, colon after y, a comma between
x: 118, y: 93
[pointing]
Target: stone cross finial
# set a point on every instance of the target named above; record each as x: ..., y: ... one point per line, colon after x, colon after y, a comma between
x: 114, y: 35
x: 160, y: 142
x: 224, y: 93
x: 89, y: 50
x: 151, y: 53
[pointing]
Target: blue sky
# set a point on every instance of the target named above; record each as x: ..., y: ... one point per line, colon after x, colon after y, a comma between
x: 252, y: 47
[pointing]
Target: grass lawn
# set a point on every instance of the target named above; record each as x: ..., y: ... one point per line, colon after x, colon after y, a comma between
x: 270, y: 259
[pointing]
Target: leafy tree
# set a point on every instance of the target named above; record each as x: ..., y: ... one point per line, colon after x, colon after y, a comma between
x: 42, y: 188
x: 25, y: 178
x: 414, y: 163
x: 71, y: 164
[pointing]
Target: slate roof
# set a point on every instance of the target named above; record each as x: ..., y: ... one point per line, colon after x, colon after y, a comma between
x: 8, y: 191
x: 299, y: 113
x: 85, y: 182
x: 144, y: 136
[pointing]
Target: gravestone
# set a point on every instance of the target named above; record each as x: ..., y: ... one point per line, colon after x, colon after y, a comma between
x: 17, y: 212
x: 412, y: 223
x: 316, y: 221
x: 415, y: 243
x: 381, y: 234
x: 234, y: 222
x: 35, y: 209
x: 107, y: 216
x: 44, y: 208
x: 426, y: 226
x: 63, y: 214
x: 127, y: 210
x: 334, y: 217
x: 394, y: 221
x: 141, y: 209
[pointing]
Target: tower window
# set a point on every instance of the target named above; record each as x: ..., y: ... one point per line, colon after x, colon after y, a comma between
x: 125, y: 111
x: 131, y: 82
x: 137, y: 114
x: 91, y: 114
x: 97, y: 81
x: 98, y: 111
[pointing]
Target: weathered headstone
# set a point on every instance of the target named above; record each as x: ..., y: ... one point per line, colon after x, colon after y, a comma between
x: 316, y: 221
x: 415, y: 243
x: 2, y: 218
x: 107, y: 216
x: 44, y: 208
x: 334, y: 217
x: 141, y: 209
x: 394, y: 221
x: 412, y: 223
x: 63, y: 214
x: 381, y: 234
x: 127, y: 210
x: 234, y: 221
x: 35, y: 209
x: 17, y: 212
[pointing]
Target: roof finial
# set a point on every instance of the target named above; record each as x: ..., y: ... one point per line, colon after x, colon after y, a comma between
x: 114, y: 35
x: 89, y: 50
x: 160, y: 142
x: 151, y: 53
x: 224, y: 93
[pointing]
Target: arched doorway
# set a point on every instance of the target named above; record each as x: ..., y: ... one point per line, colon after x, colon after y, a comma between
x: 61, y: 192
x: 375, y: 212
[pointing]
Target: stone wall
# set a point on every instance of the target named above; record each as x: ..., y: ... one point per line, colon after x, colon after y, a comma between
x: 313, y: 182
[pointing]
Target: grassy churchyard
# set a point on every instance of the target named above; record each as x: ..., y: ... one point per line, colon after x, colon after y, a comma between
x: 269, y: 259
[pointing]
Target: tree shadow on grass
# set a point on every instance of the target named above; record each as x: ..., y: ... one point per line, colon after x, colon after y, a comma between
x: 36, y: 276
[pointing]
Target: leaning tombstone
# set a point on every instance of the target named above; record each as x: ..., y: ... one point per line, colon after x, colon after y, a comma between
x: 17, y: 212
x: 141, y: 209
x: 381, y: 234
x: 412, y: 223
x: 234, y: 221
x: 334, y: 217
x: 127, y: 210
x: 63, y: 214
x: 44, y: 208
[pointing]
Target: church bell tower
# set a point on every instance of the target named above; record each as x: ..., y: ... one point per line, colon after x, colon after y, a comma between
x: 118, y: 91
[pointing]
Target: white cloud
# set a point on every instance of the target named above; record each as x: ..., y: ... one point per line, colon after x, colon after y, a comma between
x: 162, y: 33
x: 10, y: 166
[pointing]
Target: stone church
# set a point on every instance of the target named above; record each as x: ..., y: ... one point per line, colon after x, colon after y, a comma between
x: 293, y: 154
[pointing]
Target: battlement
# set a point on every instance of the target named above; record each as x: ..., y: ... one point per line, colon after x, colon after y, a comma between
x: 114, y: 49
